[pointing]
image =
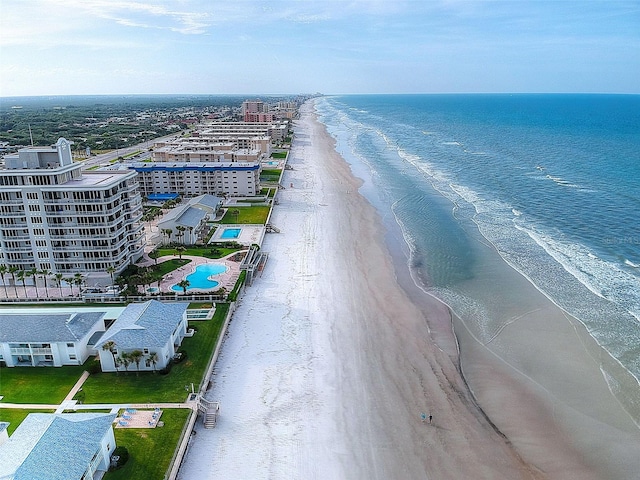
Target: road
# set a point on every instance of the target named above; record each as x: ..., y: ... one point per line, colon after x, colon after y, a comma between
x: 109, y: 157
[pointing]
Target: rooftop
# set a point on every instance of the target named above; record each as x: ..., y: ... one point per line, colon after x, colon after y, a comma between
x: 147, y: 325
x: 43, y: 440
x: 66, y: 327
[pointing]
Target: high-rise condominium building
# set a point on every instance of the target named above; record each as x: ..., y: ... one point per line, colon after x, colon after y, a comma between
x: 55, y: 217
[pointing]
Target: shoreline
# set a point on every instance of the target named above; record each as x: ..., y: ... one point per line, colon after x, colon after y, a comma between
x: 328, y: 364
x: 558, y: 411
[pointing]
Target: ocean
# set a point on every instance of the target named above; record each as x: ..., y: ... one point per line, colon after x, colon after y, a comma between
x: 550, y: 182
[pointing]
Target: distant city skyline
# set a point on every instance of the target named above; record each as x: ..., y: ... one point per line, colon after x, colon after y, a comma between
x: 83, y: 47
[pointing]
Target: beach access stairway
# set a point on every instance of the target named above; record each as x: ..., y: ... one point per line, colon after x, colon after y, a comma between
x: 253, y: 262
x: 210, y: 411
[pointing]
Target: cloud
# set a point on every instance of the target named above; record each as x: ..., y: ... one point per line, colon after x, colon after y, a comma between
x: 148, y: 15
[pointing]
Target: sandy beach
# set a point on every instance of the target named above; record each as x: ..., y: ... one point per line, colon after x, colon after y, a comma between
x: 328, y: 365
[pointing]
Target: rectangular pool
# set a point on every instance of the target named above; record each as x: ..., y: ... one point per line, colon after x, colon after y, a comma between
x: 231, y: 233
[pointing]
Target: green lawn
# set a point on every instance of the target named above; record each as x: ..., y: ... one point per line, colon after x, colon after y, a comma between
x: 253, y: 215
x: 42, y: 385
x: 150, y: 449
x: 153, y: 387
x: 205, y: 251
x: 160, y: 270
x: 279, y: 155
x: 15, y: 416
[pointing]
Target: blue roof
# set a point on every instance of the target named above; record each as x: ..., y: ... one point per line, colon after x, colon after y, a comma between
x: 200, y: 167
x: 50, y: 446
x: 65, y: 327
x: 145, y: 325
x: 159, y: 197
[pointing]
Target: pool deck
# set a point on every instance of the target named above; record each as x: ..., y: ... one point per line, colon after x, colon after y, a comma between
x: 226, y: 279
x: 249, y: 234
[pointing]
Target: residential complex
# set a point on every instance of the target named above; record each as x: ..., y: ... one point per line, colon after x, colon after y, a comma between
x: 57, y: 218
x: 193, y: 179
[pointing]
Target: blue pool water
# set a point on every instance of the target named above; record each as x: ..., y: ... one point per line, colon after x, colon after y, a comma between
x: 231, y: 233
x: 273, y: 163
x: 200, y: 278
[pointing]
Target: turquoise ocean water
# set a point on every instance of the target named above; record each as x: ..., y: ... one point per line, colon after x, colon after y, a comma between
x: 551, y: 181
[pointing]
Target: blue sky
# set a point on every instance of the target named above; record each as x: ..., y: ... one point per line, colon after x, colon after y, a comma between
x: 50, y: 47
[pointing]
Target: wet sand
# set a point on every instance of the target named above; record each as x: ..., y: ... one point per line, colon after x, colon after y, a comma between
x: 328, y: 364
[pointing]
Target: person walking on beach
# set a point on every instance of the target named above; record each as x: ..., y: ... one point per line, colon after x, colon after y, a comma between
x: 430, y: 418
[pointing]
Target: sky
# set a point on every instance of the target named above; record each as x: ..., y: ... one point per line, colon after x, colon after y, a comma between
x: 81, y: 47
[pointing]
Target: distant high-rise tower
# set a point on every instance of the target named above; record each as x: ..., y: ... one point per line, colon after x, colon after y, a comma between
x: 255, y: 111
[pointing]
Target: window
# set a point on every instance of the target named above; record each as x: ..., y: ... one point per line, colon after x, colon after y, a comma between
x: 70, y: 345
x: 72, y: 357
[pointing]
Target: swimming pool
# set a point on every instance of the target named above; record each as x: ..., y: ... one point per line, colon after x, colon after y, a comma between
x: 200, y: 278
x: 231, y: 233
x: 273, y: 163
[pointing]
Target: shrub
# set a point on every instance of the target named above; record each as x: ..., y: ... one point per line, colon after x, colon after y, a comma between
x: 123, y: 456
x: 94, y: 366
x: 167, y: 369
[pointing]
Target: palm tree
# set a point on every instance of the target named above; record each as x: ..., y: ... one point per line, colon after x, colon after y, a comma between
x: 154, y: 254
x: 45, y: 274
x: 117, y: 361
x: 184, y: 284
x: 69, y: 281
x: 147, y: 279
x: 235, y: 213
x: 153, y: 358
x: 77, y: 280
x: 4, y: 269
x: 180, y: 249
x: 136, y: 356
x: 191, y: 242
x: 111, y: 271
x: 34, y: 273
x: 126, y: 361
x: 134, y: 283
x: 111, y: 346
x: 22, y: 276
x: 180, y: 233
x: 12, y: 270
x: 167, y: 232
x: 58, y: 277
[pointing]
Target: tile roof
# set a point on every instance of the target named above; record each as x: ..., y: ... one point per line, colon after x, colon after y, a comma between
x: 49, y: 446
x: 65, y: 327
x: 145, y: 325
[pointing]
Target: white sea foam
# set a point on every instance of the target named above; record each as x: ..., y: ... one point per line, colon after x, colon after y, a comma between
x: 451, y: 143
x: 562, y: 182
x: 603, y: 278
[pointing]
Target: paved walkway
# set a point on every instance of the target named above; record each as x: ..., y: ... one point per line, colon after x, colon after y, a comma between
x: 77, y: 386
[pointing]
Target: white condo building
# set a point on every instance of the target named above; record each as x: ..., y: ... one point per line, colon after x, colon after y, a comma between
x: 191, y: 179
x: 55, y: 217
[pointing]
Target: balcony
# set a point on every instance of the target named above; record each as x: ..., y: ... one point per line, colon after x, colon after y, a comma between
x: 31, y: 351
